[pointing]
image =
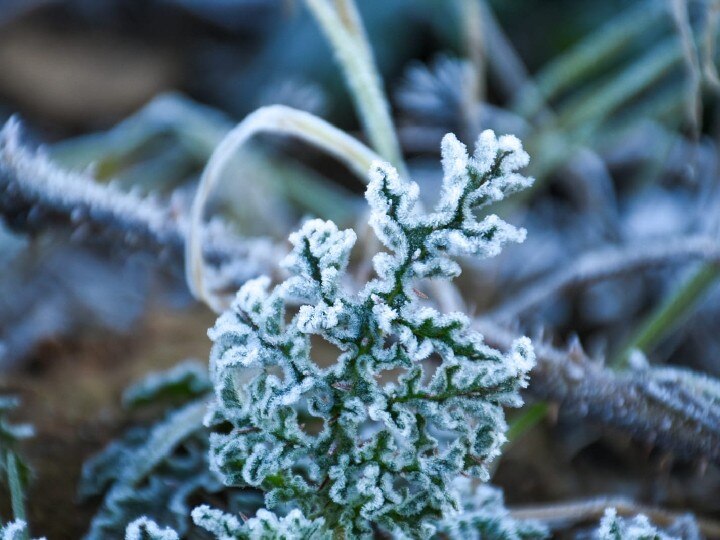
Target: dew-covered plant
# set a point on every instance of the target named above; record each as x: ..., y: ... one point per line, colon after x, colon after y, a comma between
x: 349, y: 448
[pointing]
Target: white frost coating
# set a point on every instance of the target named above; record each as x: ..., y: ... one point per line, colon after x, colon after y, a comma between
x: 484, y: 515
x: 15, y: 530
x: 384, y: 315
x: 380, y: 454
x: 613, y: 527
x: 312, y: 320
x: 223, y: 526
x: 523, y: 357
x: 146, y: 529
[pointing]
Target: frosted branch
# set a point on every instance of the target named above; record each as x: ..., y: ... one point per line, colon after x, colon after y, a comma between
x: 607, y: 264
x: 677, y: 410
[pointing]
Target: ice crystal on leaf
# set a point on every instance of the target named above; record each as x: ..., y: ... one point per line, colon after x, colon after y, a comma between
x: 337, y: 442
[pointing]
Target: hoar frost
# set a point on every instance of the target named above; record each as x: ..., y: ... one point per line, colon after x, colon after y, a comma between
x: 349, y: 451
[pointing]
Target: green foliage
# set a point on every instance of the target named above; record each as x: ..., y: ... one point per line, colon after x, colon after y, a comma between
x: 338, y: 442
x: 613, y: 527
x: 15, y: 472
x: 154, y: 471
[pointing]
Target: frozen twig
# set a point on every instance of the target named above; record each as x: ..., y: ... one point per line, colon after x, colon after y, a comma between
x: 39, y: 196
x: 606, y: 264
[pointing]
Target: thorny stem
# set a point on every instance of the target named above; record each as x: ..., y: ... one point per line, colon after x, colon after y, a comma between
x: 625, y: 401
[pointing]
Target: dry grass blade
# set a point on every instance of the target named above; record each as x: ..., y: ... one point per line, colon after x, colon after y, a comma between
x: 275, y: 119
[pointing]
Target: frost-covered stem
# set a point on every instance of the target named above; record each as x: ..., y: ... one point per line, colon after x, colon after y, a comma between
x: 608, y: 263
x: 669, y: 413
x: 17, y: 494
x: 38, y: 196
x: 275, y: 119
x: 343, y: 29
x: 671, y: 313
x: 37, y: 191
x: 571, y: 512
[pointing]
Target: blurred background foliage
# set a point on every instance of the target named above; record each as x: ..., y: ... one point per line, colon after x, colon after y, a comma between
x: 615, y: 100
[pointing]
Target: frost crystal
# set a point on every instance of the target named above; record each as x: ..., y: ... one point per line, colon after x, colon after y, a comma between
x: 343, y: 442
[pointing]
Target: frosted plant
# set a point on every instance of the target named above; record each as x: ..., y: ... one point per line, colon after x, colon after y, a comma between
x: 154, y: 471
x: 613, y: 527
x: 264, y: 526
x: 485, y: 517
x: 15, y: 530
x: 342, y: 442
x: 146, y: 529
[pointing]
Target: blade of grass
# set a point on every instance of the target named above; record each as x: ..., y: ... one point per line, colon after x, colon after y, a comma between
x: 602, y: 100
x: 528, y: 418
x: 670, y: 314
x: 17, y: 493
x: 584, y: 58
x: 343, y: 29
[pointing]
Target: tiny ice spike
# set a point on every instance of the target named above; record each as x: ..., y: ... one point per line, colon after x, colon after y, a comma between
x: 339, y: 442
